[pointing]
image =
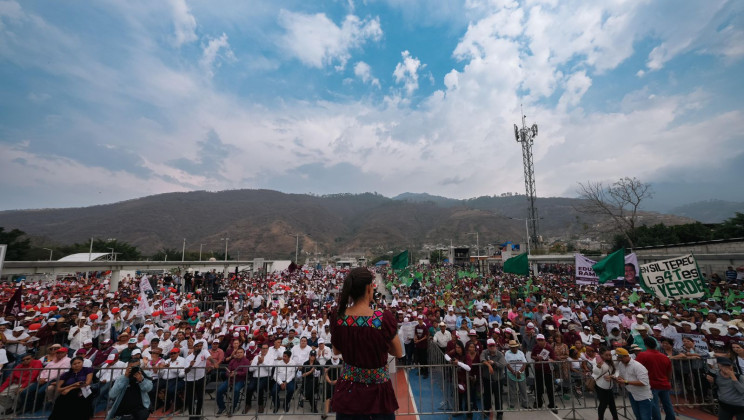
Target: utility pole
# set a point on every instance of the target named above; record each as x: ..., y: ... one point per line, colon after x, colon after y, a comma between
x: 526, y: 136
x: 90, y: 252
x: 297, y: 244
x: 200, y: 251
x: 227, y: 240
x: 50, y: 253
x: 183, y: 251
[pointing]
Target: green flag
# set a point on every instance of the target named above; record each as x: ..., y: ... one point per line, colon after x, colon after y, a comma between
x: 611, y: 267
x: 730, y: 298
x: 400, y: 261
x: 517, y: 265
x: 717, y: 293
x: 419, y: 275
x: 448, y: 286
x: 633, y: 298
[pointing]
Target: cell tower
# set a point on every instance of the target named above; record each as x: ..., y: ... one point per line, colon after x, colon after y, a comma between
x: 526, y: 136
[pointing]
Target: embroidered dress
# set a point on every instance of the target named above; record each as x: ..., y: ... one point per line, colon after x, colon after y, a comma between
x: 364, y: 385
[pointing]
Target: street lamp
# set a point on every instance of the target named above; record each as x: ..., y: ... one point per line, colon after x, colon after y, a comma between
x: 227, y: 240
x: 50, y: 253
x: 183, y: 250
x: 200, y: 250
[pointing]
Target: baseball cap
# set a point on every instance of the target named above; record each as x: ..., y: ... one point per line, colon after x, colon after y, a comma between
x: 132, y: 341
x: 621, y: 352
x: 540, y: 337
x: 491, y: 342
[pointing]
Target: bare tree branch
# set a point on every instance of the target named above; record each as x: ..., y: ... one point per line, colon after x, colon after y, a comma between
x: 619, y: 202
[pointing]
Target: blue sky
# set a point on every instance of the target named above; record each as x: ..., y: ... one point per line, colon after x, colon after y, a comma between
x: 110, y: 100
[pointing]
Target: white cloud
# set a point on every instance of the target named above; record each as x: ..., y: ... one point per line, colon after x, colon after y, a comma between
x: 406, y: 72
x: 317, y: 41
x: 509, y: 55
x: 184, y: 23
x: 211, y: 52
x: 576, y: 87
x: 363, y: 71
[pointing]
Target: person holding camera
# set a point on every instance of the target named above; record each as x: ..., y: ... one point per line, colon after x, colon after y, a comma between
x: 130, y: 394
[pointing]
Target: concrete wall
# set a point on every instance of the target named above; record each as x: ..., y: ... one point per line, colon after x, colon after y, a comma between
x: 712, y: 257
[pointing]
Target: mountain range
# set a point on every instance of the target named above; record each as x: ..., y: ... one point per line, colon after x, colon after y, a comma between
x: 262, y: 223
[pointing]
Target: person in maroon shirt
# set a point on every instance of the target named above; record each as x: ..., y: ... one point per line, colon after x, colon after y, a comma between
x: 365, y: 337
x: 421, y: 343
x: 543, y: 353
x: 659, y: 371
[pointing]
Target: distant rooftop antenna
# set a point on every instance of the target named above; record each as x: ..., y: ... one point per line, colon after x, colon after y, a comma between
x: 526, y: 136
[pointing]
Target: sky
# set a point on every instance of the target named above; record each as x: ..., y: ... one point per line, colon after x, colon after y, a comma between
x: 108, y: 100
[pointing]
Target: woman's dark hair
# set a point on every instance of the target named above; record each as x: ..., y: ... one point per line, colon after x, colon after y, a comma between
x: 610, y: 363
x: 81, y: 358
x: 459, y: 345
x: 355, y: 286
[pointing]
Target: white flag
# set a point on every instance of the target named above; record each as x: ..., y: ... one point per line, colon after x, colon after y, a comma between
x: 145, y: 285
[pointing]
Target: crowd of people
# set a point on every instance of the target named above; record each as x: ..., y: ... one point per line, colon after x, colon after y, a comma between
x: 503, y: 332
x: 159, y: 341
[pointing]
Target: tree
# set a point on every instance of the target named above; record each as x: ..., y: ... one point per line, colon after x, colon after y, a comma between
x: 619, y: 202
x: 18, y: 244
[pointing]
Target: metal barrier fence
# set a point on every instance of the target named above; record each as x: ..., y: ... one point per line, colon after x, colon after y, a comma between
x: 438, y: 387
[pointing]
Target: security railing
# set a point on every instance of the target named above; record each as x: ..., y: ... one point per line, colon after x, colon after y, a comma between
x: 439, y: 386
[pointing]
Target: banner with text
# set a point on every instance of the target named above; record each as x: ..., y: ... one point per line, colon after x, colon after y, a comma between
x: 675, y: 278
x: 586, y: 275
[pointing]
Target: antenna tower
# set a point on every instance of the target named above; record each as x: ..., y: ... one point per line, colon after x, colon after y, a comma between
x: 526, y: 136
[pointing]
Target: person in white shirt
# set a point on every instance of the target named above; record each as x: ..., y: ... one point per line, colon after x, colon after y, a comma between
x: 301, y: 353
x: 516, y: 363
x: 111, y: 369
x: 480, y: 325
x: 586, y: 336
x: 325, y: 333
x: 442, y: 337
x: 611, y: 320
x: 78, y: 334
x: 284, y: 380
x: 172, y: 375
x: 667, y: 330
x: 451, y: 319
x: 16, y: 341
x: 261, y: 370
x: 324, y: 352
x: 196, y: 367
x: 276, y: 352
x: 634, y: 377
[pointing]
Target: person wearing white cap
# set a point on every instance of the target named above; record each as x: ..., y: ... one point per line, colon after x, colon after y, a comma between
x: 421, y: 344
x: 667, y: 329
x: 78, y: 334
x: 451, y: 319
x: 480, y: 325
x: 196, y: 366
x: 442, y: 337
x: 16, y: 342
x: 324, y: 352
x: 494, y: 363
